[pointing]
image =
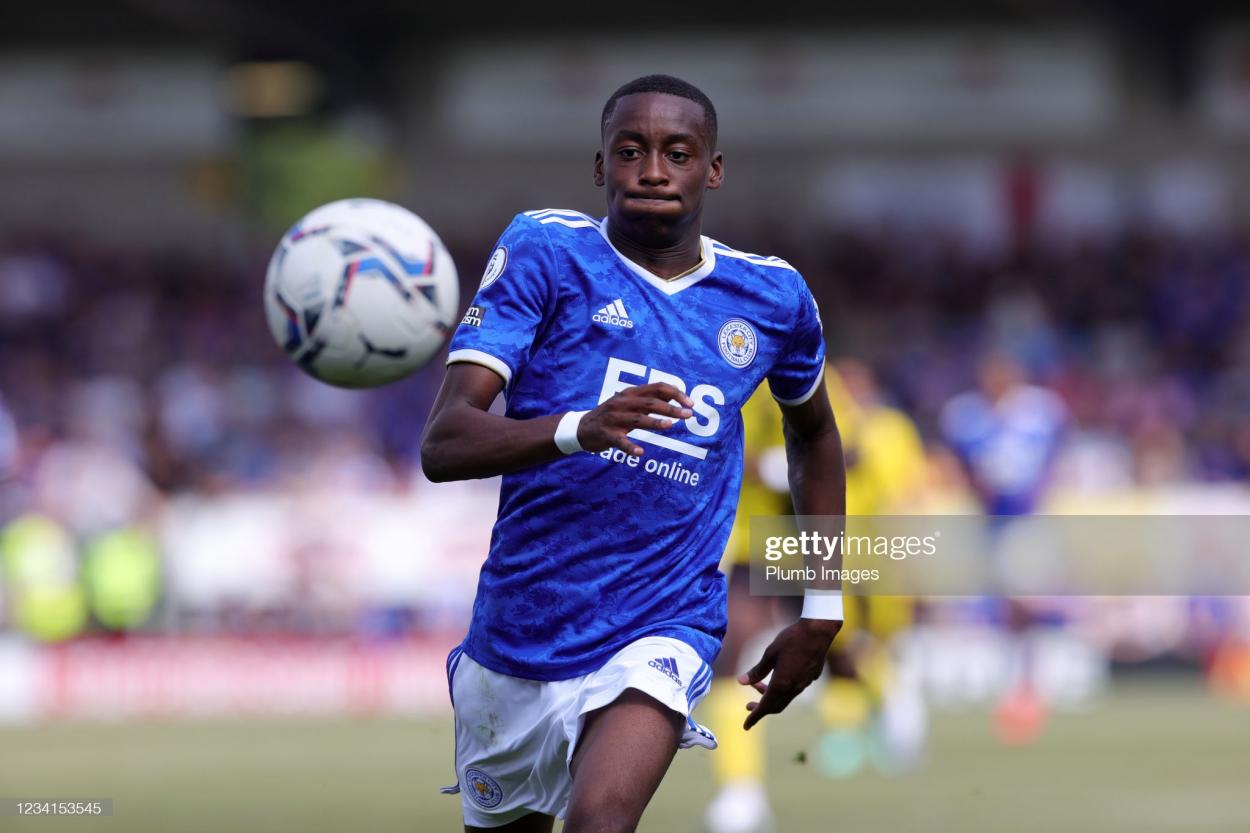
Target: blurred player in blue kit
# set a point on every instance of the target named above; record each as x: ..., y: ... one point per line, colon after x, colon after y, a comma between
x: 625, y: 347
x: 1008, y: 434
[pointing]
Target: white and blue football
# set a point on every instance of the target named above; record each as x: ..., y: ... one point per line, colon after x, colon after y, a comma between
x: 360, y: 293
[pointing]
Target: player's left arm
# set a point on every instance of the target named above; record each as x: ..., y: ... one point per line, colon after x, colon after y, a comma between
x: 818, y: 487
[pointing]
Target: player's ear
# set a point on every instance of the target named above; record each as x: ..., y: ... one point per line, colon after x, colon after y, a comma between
x: 599, y: 168
x: 716, y: 175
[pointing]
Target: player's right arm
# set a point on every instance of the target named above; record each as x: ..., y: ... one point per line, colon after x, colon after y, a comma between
x: 464, y: 440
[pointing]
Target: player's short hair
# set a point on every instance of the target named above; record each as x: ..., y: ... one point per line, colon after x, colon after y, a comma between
x: 670, y: 86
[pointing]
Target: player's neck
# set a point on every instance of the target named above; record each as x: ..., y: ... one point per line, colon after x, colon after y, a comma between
x: 665, y: 259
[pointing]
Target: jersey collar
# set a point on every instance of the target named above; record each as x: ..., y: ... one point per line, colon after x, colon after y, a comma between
x: 668, y: 287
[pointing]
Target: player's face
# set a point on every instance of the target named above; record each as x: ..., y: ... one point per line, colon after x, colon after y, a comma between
x: 656, y: 161
x: 998, y: 374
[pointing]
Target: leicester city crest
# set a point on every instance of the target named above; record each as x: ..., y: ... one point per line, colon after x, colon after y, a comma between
x: 483, y: 789
x: 737, y: 342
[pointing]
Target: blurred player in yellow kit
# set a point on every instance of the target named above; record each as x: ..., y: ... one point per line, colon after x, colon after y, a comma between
x: 885, y: 474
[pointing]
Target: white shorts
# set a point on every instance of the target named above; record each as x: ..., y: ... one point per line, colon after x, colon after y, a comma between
x: 515, y: 738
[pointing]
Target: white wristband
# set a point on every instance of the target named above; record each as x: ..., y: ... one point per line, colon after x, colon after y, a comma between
x: 566, y: 432
x: 822, y: 604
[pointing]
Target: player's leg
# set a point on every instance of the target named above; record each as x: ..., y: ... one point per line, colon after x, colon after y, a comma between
x: 622, y: 754
x: 741, y: 803
x: 844, y: 703
x: 871, y: 712
x: 533, y: 823
x: 1020, y: 715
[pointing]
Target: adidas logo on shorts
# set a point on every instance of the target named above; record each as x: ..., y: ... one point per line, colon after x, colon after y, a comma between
x: 668, y: 666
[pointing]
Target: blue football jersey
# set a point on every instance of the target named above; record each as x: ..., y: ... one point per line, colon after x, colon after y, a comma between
x: 1008, y: 446
x: 595, y: 550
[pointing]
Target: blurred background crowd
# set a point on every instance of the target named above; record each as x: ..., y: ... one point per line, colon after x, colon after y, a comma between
x: 162, y: 356
x: 1024, y: 194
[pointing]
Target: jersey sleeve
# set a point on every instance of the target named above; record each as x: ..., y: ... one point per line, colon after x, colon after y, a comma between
x: 513, y: 301
x: 800, y: 367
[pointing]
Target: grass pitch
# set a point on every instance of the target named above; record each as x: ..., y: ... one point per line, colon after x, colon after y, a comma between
x: 1151, y: 757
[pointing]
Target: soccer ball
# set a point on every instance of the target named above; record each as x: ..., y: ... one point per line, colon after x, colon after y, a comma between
x: 360, y: 293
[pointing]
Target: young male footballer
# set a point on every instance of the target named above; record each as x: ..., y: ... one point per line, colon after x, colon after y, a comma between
x: 625, y: 347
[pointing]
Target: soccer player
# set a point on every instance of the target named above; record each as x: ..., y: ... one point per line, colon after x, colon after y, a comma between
x: 1008, y: 434
x: 885, y: 466
x: 740, y: 765
x: 624, y: 347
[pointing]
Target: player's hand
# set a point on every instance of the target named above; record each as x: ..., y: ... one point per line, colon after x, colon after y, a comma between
x: 649, y: 407
x: 795, y: 659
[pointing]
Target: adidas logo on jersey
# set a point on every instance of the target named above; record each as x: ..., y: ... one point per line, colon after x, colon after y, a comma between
x: 667, y: 666
x: 614, y: 314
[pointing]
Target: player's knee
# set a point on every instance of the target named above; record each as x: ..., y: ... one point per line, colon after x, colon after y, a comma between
x: 606, y: 813
x: 599, y: 824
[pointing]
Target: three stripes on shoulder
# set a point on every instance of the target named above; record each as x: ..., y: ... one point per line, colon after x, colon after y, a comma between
x: 759, y: 260
x: 572, y: 219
